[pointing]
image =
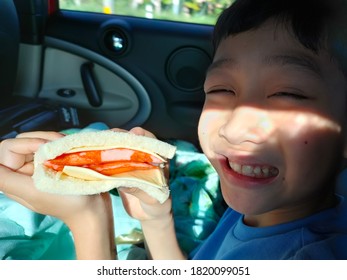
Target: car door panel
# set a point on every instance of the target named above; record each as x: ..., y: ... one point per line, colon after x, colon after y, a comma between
x: 155, y: 81
x: 124, y: 101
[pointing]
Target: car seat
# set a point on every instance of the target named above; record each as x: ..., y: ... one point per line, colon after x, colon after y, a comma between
x: 9, y: 47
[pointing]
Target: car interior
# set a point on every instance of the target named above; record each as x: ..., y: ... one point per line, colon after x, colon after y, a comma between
x: 63, y: 69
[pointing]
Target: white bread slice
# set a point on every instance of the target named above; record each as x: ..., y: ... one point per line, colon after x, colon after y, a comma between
x: 104, y: 138
x: 48, y: 180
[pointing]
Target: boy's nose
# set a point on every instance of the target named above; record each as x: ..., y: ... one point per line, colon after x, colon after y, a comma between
x: 247, y: 125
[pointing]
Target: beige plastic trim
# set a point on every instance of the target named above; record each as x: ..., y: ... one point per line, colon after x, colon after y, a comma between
x: 124, y: 99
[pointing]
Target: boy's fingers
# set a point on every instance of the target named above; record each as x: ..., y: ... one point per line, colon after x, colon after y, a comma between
x: 22, y: 146
x: 27, y: 169
x: 14, y: 153
x: 48, y: 135
x: 20, y: 188
x: 141, y: 131
x: 119, y: 130
x: 137, y: 131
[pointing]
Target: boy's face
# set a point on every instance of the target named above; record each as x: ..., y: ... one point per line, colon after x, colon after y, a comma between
x: 273, y: 124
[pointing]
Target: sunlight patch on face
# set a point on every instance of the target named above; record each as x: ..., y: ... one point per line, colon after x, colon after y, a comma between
x: 265, y: 123
x: 256, y: 127
x: 317, y: 122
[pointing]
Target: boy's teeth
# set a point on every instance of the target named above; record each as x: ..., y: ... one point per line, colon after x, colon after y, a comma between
x: 254, y: 171
x: 247, y: 170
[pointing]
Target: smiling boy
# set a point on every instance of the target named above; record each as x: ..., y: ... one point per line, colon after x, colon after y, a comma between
x: 273, y: 126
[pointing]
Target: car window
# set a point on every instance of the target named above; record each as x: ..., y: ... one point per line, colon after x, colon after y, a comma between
x: 194, y: 11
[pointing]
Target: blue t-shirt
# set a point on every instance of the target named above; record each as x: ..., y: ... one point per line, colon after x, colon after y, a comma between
x: 320, y: 236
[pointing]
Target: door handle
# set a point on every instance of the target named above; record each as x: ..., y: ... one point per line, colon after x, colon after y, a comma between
x: 90, y: 84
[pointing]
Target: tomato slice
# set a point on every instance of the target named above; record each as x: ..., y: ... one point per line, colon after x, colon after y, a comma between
x: 107, y: 162
x: 76, y: 159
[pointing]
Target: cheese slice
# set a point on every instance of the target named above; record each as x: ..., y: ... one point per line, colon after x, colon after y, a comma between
x: 153, y: 176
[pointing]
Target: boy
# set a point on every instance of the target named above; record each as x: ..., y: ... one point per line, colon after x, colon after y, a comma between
x: 273, y: 126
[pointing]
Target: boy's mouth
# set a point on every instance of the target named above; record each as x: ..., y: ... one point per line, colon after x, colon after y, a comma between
x: 255, y: 171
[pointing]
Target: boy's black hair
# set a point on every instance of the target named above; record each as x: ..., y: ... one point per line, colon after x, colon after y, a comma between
x: 313, y: 22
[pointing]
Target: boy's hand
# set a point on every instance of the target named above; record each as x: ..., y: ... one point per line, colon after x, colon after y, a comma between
x: 16, y: 169
x: 90, y: 218
x: 143, y: 207
x: 139, y: 204
x: 156, y: 219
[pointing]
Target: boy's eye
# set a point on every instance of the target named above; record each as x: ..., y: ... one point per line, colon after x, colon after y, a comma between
x: 220, y: 90
x: 289, y: 95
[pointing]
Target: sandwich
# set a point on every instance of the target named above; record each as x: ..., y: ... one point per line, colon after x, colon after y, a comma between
x: 93, y: 162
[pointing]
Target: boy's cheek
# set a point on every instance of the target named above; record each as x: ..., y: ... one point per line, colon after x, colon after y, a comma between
x: 311, y: 141
x: 312, y: 159
x: 208, y: 124
x: 307, y: 128
x: 309, y: 146
x: 317, y: 123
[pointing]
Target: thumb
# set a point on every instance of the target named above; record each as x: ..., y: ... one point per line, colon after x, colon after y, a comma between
x: 131, y: 194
